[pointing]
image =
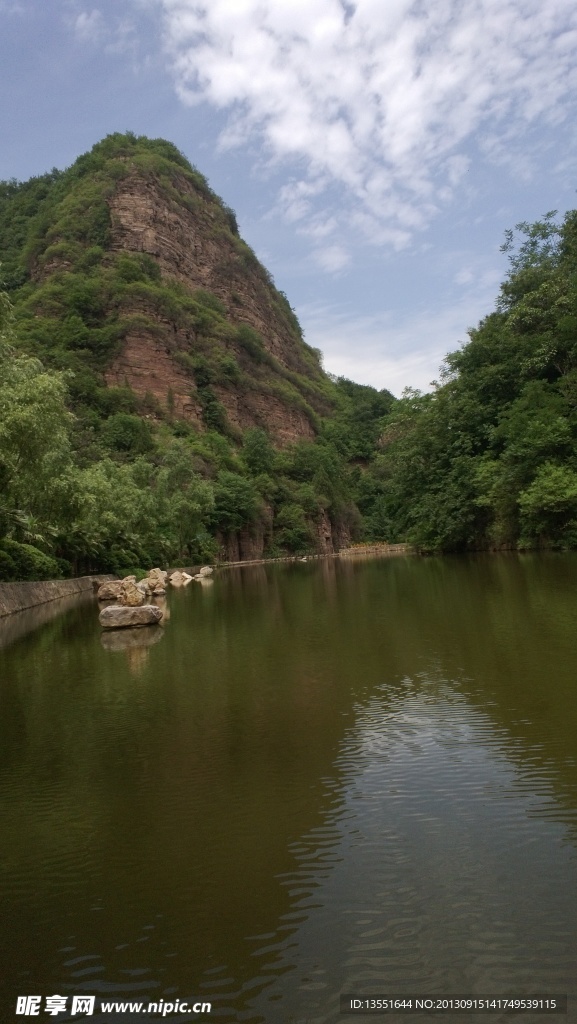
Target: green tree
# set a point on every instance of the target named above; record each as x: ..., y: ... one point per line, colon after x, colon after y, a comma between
x: 548, y: 507
x: 257, y: 452
x: 36, y: 466
x: 236, y: 502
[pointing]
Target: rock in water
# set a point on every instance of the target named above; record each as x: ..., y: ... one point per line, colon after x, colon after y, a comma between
x: 109, y: 591
x: 117, y: 616
x: 156, y: 578
x: 130, y: 595
x: 206, y: 570
x: 177, y: 579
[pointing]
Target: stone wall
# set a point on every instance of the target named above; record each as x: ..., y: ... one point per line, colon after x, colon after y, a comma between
x: 14, y: 597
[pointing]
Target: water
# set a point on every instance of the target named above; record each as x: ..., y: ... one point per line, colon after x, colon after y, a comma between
x: 321, y: 778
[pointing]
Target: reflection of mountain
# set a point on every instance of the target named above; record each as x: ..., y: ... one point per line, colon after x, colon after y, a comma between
x: 324, y: 746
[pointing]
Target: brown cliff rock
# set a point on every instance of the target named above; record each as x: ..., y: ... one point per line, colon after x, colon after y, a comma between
x: 181, y: 237
x: 183, y: 233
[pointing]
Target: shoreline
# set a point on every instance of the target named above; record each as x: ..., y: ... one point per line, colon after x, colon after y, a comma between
x: 352, y: 552
x: 18, y: 597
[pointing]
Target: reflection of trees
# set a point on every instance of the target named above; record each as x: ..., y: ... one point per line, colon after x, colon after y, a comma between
x: 17, y: 625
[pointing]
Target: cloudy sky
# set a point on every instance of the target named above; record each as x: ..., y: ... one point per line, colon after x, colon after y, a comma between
x: 375, y: 151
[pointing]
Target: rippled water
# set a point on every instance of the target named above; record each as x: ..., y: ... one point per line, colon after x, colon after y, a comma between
x: 318, y: 778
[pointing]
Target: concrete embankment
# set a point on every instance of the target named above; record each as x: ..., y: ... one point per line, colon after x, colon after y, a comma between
x: 15, y: 597
x: 373, y: 550
x: 376, y: 550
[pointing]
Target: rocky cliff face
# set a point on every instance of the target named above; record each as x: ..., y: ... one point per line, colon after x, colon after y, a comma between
x: 183, y: 233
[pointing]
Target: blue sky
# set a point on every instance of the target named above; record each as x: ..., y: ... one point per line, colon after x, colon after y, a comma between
x: 375, y: 151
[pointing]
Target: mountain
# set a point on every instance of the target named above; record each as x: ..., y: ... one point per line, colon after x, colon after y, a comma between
x: 138, y: 260
x: 128, y: 279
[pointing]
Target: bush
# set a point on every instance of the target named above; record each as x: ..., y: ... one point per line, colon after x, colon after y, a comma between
x: 123, y: 432
x: 65, y: 568
x: 7, y: 567
x: 28, y: 562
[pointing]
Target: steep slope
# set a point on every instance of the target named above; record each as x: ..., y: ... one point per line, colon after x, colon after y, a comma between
x: 142, y: 263
x: 202, y: 424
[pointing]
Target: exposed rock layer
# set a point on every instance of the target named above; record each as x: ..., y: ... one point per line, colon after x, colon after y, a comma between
x: 187, y: 241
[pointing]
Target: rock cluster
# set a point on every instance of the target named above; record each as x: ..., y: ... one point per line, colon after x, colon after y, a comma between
x: 156, y: 581
x: 130, y: 608
x: 179, y: 579
x: 128, y: 591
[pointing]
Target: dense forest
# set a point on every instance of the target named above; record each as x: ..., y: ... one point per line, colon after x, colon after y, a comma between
x: 489, y: 458
x: 95, y: 477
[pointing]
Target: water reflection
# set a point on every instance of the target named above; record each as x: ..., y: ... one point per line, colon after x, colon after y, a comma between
x: 131, y: 639
x: 134, y: 642
x: 19, y: 624
x: 329, y: 775
x: 427, y: 872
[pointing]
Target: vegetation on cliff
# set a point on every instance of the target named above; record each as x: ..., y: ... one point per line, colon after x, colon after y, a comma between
x: 242, y: 446
x: 97, y: 476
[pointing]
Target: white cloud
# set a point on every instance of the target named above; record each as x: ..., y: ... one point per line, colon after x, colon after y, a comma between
x: 332, y: 258
x: 379, y: 98
x: 110, y: 28
x: 89, y: 26
x: 392, y: 352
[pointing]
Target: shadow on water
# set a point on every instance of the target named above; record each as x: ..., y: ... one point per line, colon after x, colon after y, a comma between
x: 326, y: 777
x: 12, y: 627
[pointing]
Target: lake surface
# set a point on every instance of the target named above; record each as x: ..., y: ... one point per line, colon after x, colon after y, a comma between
x: 319, y: 778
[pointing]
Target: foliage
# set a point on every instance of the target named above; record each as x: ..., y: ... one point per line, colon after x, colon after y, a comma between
x: 258, y: 452
x: 489, y: 459
x: 25, y: 562
x: 35, y: 453
x: 236, y: 502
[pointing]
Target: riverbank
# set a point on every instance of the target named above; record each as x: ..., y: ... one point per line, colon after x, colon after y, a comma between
x: 374, y: 550
x: 16, y: 597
